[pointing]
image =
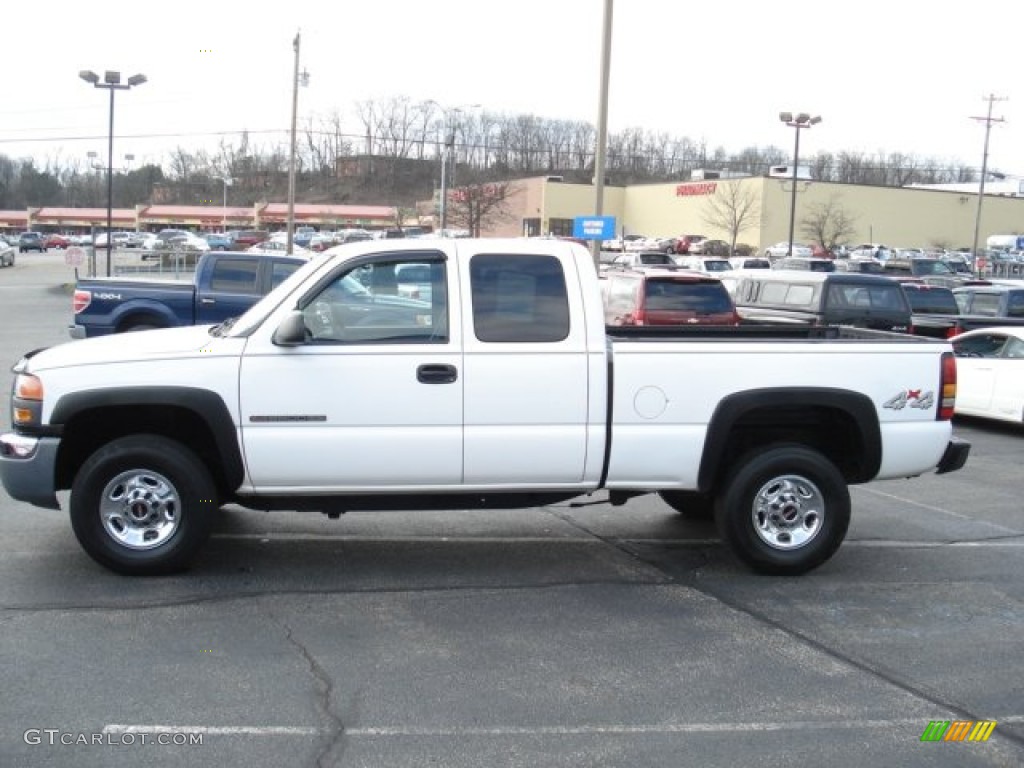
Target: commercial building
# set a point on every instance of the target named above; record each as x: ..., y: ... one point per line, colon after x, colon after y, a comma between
x: 895, y: 216
x: 200, y: 217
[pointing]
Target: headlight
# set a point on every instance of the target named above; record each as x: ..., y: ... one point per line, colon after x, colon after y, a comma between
x: 27, y: 400
x: 28, y: 387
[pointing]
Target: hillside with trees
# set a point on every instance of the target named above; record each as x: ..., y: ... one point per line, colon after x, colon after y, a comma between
x: 394, y: 159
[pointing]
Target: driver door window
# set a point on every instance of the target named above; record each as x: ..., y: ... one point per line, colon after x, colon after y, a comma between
x: 399, y: 301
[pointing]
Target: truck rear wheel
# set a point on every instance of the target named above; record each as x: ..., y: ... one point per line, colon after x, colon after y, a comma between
x: 785, y: 511
x: 143, y: 505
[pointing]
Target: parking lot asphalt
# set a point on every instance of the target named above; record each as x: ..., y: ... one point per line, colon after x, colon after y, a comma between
x: 574, y: 634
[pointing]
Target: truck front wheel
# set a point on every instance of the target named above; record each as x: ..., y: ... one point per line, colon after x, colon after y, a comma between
x: 785, y: 511
x: 143, y: 505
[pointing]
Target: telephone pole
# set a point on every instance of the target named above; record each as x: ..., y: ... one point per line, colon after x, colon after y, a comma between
x: 988, y: 120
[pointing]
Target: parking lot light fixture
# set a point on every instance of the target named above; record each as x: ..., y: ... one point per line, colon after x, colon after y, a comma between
x: 111, y: 82
x: 800, y: 120
x: 228, y: 181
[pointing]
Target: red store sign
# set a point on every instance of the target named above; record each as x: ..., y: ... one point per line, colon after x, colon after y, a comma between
x: 701, y: 188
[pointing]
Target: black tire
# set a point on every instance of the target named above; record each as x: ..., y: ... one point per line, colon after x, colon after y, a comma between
x: 143, y: 505
x: 785, y: 511
x: 690, y: 503
x: 133, y: 327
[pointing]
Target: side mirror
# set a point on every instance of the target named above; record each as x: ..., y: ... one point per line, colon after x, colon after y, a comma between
x: 292, y: 331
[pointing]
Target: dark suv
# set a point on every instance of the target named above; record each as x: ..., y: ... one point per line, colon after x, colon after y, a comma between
x: 32, y: 241
x: 822, y: 298
x: 653, y: 296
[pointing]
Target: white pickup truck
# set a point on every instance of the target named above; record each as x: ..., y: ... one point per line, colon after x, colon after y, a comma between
x: 489, y: 382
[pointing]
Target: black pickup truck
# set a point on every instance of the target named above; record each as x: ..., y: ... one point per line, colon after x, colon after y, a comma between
x: 937, y: 311
x: 225, y: 284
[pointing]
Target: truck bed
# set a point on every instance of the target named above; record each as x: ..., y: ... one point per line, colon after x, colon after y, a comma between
x: 746, y: 332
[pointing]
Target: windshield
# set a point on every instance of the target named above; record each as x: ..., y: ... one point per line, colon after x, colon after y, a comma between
x: 246, y: 323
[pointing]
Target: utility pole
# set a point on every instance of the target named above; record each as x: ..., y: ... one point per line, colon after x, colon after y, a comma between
x: 988, y: 120
x: 601, y: 148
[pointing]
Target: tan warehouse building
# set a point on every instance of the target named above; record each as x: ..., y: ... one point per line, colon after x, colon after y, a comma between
x: 895, y: 216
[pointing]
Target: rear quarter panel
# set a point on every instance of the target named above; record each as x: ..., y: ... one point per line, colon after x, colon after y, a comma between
x: 666, y: 392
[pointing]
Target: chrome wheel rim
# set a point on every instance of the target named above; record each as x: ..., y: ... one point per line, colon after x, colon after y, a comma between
x: 788, y: 512
x: 140, y: 509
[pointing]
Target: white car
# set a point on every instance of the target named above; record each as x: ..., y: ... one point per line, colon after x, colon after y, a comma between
x: 990, y: 373
x: 275, y: 245
x: 6, y: 253
x: 781, y: 250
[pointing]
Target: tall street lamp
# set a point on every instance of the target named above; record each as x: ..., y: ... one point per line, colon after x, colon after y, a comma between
x: 801, y: 120
x: 228, y: 181
x: 448, y: 157
x: 302, y: 78
x: 111, y: 82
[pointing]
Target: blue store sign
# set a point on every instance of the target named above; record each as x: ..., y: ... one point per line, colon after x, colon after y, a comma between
x: 593, y: 227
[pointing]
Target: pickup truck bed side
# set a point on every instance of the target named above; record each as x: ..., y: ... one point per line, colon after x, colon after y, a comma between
x: 495, y: 386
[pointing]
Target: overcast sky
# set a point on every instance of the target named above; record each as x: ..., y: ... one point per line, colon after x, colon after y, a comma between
x: 895, y: 76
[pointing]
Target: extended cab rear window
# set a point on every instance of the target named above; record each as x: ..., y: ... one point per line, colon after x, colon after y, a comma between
x: 518, y: 298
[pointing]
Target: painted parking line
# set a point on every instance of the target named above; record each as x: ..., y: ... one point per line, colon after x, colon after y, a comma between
x: 608, y: 729
x: 941, y: 510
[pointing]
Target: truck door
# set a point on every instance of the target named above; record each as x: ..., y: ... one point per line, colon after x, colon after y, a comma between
x: 372, y: 401
x: 229, y: 288
x: 527, y: 369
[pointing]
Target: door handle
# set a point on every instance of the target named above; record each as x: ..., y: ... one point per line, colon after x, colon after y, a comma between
x: 207, y: 301
x: 436, y: 374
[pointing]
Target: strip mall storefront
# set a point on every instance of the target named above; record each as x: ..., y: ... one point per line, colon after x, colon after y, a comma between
x: 198, y: 217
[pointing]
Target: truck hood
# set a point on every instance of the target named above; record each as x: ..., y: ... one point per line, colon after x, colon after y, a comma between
x: 141, y: 345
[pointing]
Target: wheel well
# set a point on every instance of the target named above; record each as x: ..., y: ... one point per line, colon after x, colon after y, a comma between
x: 87, y: 431
x: 833, y: 432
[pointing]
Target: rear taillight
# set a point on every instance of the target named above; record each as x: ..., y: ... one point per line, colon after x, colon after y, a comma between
x: 80, y: 300
x: 947, y: 387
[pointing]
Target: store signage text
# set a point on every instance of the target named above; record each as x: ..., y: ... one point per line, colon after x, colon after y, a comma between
x: 702, y: 188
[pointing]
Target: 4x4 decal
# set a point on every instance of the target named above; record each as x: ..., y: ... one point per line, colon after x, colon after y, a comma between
x: 912, y: 398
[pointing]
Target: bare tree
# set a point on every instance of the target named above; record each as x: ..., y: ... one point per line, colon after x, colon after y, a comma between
x: 477, y: 206
x: 828, y: 223
x: 734, y: 207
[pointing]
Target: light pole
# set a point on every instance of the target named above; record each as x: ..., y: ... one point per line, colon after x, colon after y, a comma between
x: 600, y: 151
x: 801, y: 120
x: 304, y: 79
x: 228, y: 181
x: 111, y: 82
x: 448, y: 155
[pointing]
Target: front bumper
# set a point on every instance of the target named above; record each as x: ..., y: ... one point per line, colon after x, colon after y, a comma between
x: 27, y: 468
x: 955, y: 456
